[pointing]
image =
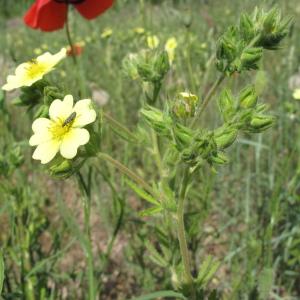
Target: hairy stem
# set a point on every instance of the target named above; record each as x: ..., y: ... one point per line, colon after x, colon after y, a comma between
x: 88, y: 248
x: 182, y: 236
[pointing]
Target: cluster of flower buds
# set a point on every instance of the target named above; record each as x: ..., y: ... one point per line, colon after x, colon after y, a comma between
x: 150, y: 66
x: 241, y: 47
x: 241, y: 113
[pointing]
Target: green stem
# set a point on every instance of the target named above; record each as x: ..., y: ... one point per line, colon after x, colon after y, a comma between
x: 132, y: 175
x: 208, y: 97
x: 115, y: 123
x: 69, y: 38
x: 89, y: 253
x: 182, y: 236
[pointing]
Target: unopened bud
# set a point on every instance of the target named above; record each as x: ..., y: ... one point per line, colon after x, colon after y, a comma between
x: 62, y: 169
x: 157, y: 120
x: 225, y: 136
x: 248, y: 97
x: 250, y: 57
x: 226, y: 104
x: 260, y: 123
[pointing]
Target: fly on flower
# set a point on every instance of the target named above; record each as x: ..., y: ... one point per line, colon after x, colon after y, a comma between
x: 30, y: 72
x: 50, y: 15
x: 63, y: 132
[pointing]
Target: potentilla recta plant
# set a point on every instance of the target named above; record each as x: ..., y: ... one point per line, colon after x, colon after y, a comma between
x: 67, y: 131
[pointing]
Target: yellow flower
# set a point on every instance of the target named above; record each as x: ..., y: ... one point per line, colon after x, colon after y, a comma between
x: 63, y: 132
x: 296, y: 94
x: 30, y: 72
x: 107, y: 32
x: 152, y: 41
x: 170, y: 47
x: 139, y: 30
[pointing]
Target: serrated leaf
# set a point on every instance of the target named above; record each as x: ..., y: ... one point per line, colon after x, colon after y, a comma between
x: 1, y: 271
x: 150, y: 211
x: 265, y: 282
x: 156, y: 295
x: 143, y: 194
x: 207, y: 270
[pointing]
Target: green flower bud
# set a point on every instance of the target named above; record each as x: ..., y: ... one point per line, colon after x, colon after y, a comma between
x: 42, y: 112
x: 161, y: 64
x: 157, y: 120
x: 62, y: 169
x: 248, y: 98
x: 225, y: 136
x: 51, y: 93
x: 260, y: 123
x: 246, y: 27
x: 183, y: 136
x: 220, y: 159
x: 226, y: 105
x: 250, y: 57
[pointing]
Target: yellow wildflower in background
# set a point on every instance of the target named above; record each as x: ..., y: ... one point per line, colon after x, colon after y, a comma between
x: 63, y: 132
x: 170, y: 47
x: 30, y: 72
x: 296, y: 94
x: 107, y: 32
x: 152, y: 41
x: 139, y: 30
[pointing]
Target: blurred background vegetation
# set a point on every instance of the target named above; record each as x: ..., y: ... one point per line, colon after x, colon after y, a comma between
x: 247, y: 215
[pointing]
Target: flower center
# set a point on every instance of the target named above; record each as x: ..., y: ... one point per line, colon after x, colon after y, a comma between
x: 35, y: 69
x: 61, y: 127
x: 70, y: 1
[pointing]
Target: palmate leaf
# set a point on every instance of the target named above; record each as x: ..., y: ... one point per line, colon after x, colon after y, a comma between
x: 162, y: 294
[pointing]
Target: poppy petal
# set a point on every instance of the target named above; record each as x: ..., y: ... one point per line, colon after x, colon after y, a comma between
x: 46, y: 15
x: 90, y: 9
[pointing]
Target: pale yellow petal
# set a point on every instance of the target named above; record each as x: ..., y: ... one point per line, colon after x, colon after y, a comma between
x: 72, y: 140
x: 46, y: 152
x: 51, y: 60
x: 13, y: 82
x: 41, y: 125
x: 61, y: 109
x: 85, y: 114
x: 40, y: 138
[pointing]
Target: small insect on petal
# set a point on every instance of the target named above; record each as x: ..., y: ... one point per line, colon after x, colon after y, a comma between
x: 69, y: 119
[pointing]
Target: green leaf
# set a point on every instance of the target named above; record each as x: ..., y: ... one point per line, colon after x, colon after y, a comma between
x: 150, y: 211
x: 143, y: 194
x: 207, y: 270
x: 1, y: 271
x: 161, y: 294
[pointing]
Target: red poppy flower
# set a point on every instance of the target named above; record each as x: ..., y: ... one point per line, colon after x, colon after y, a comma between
x: 50, y: 15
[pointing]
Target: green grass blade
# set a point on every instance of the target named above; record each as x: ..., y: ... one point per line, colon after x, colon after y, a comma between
x: 160, y: 294
x: 1, y: 271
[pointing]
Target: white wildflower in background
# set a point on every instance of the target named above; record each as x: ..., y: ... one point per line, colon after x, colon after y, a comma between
x: 63, y: 132
x: 30, y: 72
